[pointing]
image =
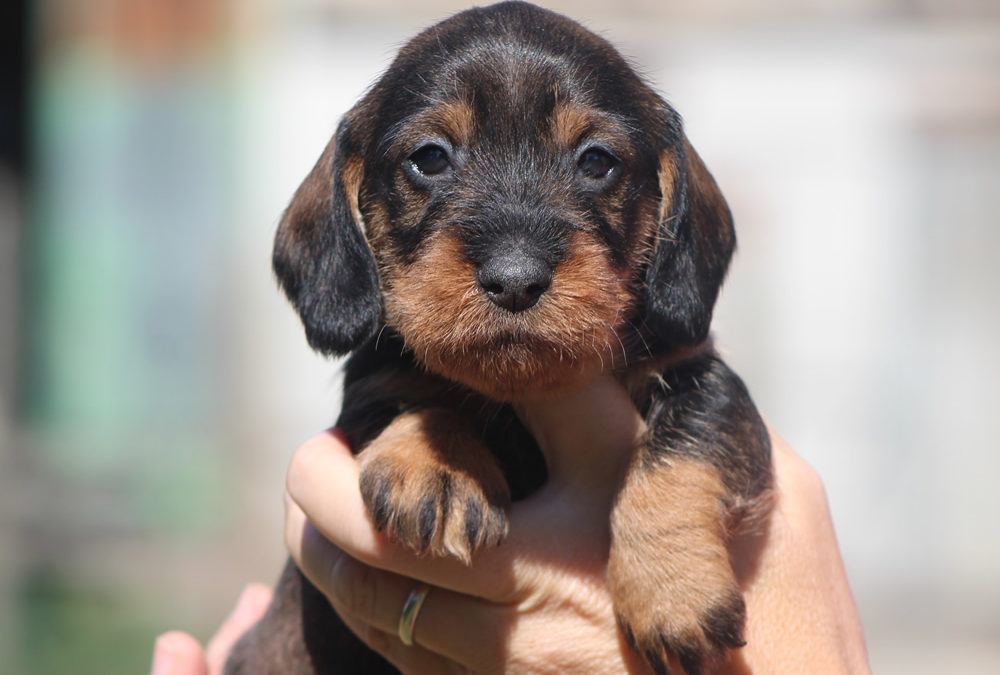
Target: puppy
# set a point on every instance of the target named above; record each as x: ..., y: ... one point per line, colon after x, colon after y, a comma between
x: 510, y: 210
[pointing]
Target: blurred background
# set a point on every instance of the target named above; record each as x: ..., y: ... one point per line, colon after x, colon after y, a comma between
x: 153, y: 383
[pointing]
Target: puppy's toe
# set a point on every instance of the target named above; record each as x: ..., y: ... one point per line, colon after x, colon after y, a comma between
x: 434, y: 487
x: 685, y: 629
x: 433, y: 509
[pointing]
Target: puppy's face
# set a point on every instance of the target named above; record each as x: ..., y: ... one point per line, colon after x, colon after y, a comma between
x: 515, y: 203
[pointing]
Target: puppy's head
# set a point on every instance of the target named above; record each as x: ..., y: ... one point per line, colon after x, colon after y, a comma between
x: 515, y: 202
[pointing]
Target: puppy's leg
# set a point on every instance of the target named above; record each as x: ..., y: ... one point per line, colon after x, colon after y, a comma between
x: 431, y: 483
x: 301, y: 635
x: 673, y: 588
x: 705, y: 463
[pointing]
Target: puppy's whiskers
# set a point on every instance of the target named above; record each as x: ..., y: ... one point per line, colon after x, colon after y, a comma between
x: 621, y: 344
x: 379, y: 336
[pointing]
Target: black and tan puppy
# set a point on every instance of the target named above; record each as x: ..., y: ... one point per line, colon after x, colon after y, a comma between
x: 511, y: 210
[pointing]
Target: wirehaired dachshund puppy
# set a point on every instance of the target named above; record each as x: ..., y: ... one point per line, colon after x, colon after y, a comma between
x: 510, y: 210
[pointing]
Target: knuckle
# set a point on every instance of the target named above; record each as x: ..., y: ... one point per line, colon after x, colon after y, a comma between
x: 809, y: 483
x: 303, y: 465
x: 802, y: 487
x: 354, y: 587
x: 376, y: 639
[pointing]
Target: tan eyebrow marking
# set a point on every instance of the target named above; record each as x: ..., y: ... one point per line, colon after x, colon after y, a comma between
x: 455, y: 119
x: 569, y: 124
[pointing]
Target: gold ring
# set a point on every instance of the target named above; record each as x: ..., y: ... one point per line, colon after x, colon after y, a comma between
x: 414, y: 601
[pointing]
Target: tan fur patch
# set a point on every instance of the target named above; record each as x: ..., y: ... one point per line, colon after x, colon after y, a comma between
x: 667, y: 177
x: 377, y: 224
x: 312, y: 204
x: 457, y: 120
x: 454, y: 330
x: 430, y: 481
x: 669, y: 571
x: 569, y: 123
x: 352, y: 173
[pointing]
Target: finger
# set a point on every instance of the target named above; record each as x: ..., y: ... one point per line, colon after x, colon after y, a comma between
x: 412, y: 659
x: 797, y: 580
x: 375, y: 598
x: 250, y: 606
x: 178, y: 653
x: 323, y: 483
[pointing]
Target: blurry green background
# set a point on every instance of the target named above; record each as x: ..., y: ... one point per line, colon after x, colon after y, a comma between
x: 153, y: 383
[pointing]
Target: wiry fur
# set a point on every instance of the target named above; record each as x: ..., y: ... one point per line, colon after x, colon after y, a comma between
x: 454, y: 331
x: 555, y: 169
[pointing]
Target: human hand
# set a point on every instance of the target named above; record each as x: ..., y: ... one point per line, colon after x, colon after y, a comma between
x: 538, y: 598
x: 801, y: 616
x: 539, y: 603
x: 177, y: 653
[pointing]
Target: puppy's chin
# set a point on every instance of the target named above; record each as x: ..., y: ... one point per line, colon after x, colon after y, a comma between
x: 513, y: 371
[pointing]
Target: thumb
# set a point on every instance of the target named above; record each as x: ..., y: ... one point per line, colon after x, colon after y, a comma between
x: 177, y: 653
x: 586, y: 434
x: 250, y: 607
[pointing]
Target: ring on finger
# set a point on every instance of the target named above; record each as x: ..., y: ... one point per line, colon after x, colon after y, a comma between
x: 408, y: 617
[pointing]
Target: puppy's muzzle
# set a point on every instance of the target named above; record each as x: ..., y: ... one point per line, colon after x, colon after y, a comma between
x: 514, y: 278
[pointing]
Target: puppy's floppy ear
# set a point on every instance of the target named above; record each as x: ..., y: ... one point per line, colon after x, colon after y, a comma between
x: 694, y: 244
x: 321, y: 257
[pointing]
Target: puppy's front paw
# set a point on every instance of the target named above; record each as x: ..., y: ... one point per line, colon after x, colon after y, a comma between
x: 674, y: 592
x: 690, y: 621
x: 431, y: 484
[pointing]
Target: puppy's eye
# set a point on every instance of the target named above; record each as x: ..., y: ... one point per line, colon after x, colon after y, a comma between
x: 430, y: 160
x: 595, y: 164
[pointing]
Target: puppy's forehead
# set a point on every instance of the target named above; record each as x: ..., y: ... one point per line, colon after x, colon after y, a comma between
x: 505, y: 68
x: 484, y: 104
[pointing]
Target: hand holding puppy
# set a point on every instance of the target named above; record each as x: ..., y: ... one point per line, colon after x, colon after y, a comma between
x: 540, y: 602
x: 539, y: 597
x: 508, y: 213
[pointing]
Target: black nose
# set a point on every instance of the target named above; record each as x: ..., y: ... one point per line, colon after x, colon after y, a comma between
x: 514, y: 279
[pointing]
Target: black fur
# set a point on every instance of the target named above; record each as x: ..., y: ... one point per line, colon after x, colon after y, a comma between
x: 323, y: 262
x: 331, y: 277
x: 508, y: 191
x: 687, y: 271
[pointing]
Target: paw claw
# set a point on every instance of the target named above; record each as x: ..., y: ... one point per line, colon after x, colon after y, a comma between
x: 378, y: 503
x: 700, y: 639
x: 439, y: 512
x: 427, y: 522
x: 723, y: 623
x: 429, y: 482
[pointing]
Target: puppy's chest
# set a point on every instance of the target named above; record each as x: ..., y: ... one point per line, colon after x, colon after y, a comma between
x: 383, y: 381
